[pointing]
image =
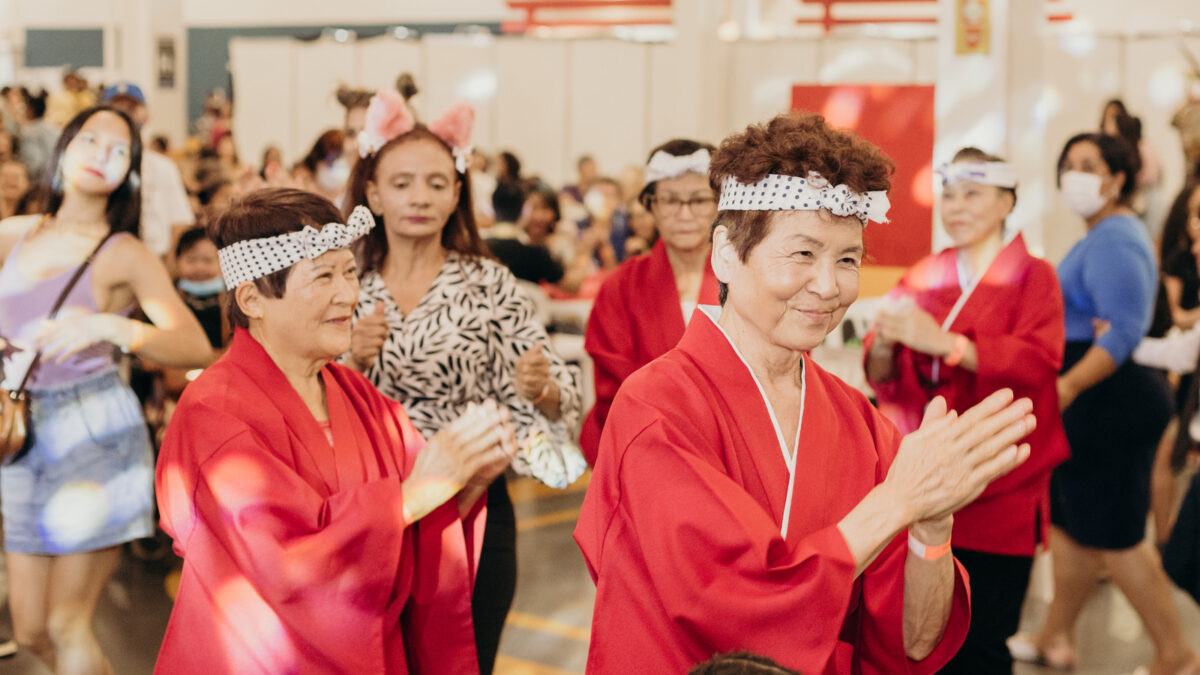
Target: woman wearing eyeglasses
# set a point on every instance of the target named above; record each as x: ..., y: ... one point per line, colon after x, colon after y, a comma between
x: 643, y: 308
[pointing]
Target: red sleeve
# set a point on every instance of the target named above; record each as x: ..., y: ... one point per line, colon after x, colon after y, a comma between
x: 1032, y: 351
x: 881, y: 623
x: 610, y: 342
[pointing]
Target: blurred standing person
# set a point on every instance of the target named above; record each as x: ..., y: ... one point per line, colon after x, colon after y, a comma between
x: 483, y: 187
x: 166, y: 212
x: 958, y: 326
x: 325, y: 170
x: 8, y: 145
x: 14, y: 185
x: 643, y: 309
x: 585, y: 168
x: 603, y: 232
x: 74, y: 97
x: 1114, y: 414
x: 354, y: 102
x: 441, y: 326
x: 85, y: 486
x: 37, y: 136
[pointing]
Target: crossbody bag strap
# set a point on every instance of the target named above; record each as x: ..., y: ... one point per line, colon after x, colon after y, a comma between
x: 62, y: 298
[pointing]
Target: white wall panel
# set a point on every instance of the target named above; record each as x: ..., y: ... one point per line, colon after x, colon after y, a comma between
x: 531, y: 109
x: 263, y: 88
x: 379, y: 61
x: 607, y: 94
x: 1155, y: 86
x: 460, y: 68
x: 317, y: 70
x: 763, y: 73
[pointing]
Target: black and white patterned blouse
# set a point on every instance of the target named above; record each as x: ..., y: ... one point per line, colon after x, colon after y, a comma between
x: 460, y: 345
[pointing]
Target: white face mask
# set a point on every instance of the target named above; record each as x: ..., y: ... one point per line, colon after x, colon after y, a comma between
x: 1081, y: 192
x: 333, y: 177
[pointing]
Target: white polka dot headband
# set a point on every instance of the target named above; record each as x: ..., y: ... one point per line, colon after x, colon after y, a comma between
x: 776, y: 192
x: 999, y: 174
x: 252, y: 259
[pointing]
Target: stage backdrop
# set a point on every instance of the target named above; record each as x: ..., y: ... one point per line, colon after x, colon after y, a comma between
x: 899, y: 119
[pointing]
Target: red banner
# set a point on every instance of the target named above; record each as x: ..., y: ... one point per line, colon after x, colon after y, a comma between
x: 899, y: 119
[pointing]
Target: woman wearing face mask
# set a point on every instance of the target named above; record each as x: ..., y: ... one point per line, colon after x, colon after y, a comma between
x: 85, y: 486
x: 326, y: 168
x: 1114, y: 413
x: 959, y: 326
x: 643, y: 308
x: 440, y: 325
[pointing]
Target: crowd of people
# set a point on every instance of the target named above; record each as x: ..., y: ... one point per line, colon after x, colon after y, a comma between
x: 335, y: 364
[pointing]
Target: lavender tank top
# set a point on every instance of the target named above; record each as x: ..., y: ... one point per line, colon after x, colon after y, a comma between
x: 24, y: 303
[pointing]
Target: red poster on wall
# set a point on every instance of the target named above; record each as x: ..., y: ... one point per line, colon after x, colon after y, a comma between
x: 899, y: 119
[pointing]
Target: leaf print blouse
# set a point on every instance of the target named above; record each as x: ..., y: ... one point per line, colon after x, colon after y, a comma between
x: 460, y: 345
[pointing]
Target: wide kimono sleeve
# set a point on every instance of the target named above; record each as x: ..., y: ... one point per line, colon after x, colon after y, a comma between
x: 880, y: 623
x: 611, y: 343
x: 716, y: 564
x: 275, y: 556
x: 548, y: 449
x: 1031, y: 352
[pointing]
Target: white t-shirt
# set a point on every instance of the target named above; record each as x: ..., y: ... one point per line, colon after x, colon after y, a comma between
x: 164, y: 201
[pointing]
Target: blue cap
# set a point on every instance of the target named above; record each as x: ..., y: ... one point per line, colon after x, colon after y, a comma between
x: 124, y: 89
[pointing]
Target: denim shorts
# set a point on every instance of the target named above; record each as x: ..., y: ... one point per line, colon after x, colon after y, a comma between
x: 87, y: 482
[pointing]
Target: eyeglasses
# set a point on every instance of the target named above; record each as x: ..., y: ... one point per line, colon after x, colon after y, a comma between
x: 669, y: 206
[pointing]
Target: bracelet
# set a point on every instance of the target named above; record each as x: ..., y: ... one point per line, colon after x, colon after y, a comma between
x: 960, y: 348
x: 925, y: 552
x: 545, y: 392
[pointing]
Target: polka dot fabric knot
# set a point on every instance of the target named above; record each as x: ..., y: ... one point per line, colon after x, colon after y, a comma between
x: 791, y: 193
x: 252, y: 259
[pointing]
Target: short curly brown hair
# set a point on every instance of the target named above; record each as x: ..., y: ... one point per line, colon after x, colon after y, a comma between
x: 791, y: 144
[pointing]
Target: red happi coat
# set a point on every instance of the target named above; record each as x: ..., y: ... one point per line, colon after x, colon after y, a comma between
x: 1015, y: 319
x: 637, y: 317
x: 681, y: 526
x: 296, y: 555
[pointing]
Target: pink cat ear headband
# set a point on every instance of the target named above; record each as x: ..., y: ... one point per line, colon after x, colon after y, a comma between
x: 388, y: 117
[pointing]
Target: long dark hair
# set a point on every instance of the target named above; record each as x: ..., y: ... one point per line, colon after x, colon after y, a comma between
x: 124, y: 208
x: 459, y: 233
x: 1117, y: 154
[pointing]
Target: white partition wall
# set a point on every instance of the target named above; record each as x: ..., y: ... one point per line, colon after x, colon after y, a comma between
x: 460, y: 67
x: 607, y: 94
x: 763, y: 73
x: 531, y: 110
x: 317, y: 70
x: 380, y: 62
x: 552, y: 100
x: 265, y: 96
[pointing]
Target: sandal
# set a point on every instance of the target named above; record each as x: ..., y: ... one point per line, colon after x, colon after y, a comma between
x: 1023, y: 649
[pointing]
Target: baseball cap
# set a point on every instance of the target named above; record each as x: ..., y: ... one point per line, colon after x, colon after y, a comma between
x: 124, y: 89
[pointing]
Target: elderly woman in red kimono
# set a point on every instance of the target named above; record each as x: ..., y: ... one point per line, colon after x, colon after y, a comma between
x: 962, y: 323
x: 643, y: 307
x: 746, y: 499
x: 319, y: 531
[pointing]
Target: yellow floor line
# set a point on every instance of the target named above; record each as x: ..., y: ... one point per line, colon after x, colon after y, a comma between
x: 509, y: 665
x: 552, y: 518
x: 171, y: 583
x: 551, y: 626
x: 527, y: 489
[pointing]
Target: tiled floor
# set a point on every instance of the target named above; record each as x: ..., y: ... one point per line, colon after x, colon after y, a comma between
x: 547, y: 631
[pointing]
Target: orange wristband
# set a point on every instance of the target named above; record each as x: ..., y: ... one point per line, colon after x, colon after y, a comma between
x: 925, y: 552
x: 960, y: 348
